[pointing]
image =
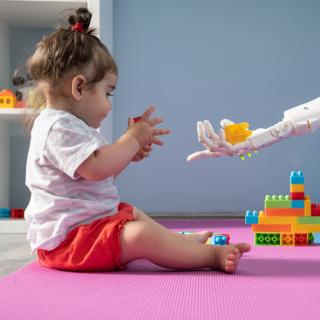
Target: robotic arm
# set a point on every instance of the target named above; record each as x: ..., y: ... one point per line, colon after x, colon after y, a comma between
x: 299, y: 120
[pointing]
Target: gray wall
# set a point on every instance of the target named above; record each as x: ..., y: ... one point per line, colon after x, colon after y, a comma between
x: 242, y: 60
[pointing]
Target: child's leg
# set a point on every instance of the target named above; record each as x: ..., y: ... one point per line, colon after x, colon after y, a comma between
x: 200, y: 237
x: 144, y: 238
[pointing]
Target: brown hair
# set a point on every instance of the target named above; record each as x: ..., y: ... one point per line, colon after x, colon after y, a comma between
x: 70, y: 50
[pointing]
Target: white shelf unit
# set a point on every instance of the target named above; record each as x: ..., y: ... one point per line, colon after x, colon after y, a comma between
x: 36, y: 14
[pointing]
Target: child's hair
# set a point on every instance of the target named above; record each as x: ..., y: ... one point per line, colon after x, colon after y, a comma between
x: 68, y: 51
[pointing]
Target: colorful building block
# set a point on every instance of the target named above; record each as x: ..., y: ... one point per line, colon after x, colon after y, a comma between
x: 277, y: 201
x: 297, y: 188
x: 5, y: 213
x: 315, y: 209
x: 267, y: 239
x: 287, y: 220
x: 17, y: 213
x: 296, y: 177
x: 284, y: 212
x: 252, y: 217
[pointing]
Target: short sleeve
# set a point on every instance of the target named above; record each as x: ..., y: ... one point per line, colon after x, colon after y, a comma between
x: 69, y: 143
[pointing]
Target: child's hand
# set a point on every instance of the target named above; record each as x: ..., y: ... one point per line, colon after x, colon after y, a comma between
x: 142, y: 153
x: 144, y: 130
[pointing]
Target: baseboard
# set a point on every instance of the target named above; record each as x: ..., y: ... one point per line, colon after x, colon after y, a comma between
x: 197, y: 215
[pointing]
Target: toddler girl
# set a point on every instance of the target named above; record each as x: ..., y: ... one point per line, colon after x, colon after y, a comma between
x: 75, y: 217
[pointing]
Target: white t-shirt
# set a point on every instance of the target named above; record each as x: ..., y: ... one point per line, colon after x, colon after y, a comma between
x: 60, y: 198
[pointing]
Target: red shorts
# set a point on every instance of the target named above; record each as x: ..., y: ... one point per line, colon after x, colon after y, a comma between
x: 92, y: 247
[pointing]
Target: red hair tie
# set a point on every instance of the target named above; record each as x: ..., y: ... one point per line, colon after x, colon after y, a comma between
x: 78, y: 26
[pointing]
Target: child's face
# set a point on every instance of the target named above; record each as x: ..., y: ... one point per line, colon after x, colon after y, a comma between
x: 96, y: 103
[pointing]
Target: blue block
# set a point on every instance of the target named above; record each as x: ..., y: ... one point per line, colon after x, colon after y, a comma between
x: 316, y: 237
x: 297, y: 204
x: 5, y: 213
x: 296, y: 177
x: 219, y: 240
x: 252, y: 217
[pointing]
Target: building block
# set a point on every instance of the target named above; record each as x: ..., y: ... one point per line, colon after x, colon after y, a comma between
x: 287, y: 239
x: 302, y: 228
x: 17, y: 213
x: 316, y: 237
x: 287, y: 220
x: 315, y: 209
x: 271, y: 228
x: 272, y: 239
x: 284, y: 212
x: 297, y: 188
x: 252, y: 217
x: 309, y: 220
x: 237, y: 132
x: 296, y: 177
x: 297, y: 203
x: 277, y: 201
x: 277, y: 220
x: 307, y: 206
x: 5, y: 213
x: 301, y: 239
x: 297, y: 196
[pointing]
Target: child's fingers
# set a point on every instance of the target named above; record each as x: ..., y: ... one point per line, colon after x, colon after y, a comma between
x: 157, y: 141
x: 155, y: 121
x: 146, y: 115
x: 160, y: 132
x: 147, y: 148
x: 130, y: 122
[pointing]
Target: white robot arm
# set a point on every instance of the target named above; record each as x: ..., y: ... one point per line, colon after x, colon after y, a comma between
x: 299, y: 120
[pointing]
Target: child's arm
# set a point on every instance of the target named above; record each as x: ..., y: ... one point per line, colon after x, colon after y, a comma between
x: 112, y: 159
x: 296, y: 121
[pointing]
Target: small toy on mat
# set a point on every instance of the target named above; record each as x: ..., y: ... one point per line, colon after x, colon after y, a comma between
x: 217, y: 239
x: 287, y: 220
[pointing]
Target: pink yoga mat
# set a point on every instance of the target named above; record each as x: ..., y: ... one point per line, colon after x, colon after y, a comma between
x: 271, y: 283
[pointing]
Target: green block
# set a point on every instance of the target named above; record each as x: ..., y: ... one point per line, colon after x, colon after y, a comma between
x: 267, y: 239
x: 310, y: 238
x: 309, y: 220
x: 277, y: 201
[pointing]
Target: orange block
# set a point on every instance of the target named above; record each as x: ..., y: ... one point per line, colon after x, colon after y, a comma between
x: 285, y: 212
x: 271, y: 228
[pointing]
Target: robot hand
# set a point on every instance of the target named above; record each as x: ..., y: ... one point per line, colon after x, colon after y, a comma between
x: 217, y: 146
x: 299, y: 120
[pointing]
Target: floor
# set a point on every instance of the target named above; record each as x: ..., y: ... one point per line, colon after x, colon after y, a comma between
x: 14, y: 253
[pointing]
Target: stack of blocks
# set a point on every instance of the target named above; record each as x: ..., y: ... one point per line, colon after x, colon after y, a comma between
x: 287, y: 220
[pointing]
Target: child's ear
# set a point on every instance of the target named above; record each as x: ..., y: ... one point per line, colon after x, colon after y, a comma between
x: 77, y: 86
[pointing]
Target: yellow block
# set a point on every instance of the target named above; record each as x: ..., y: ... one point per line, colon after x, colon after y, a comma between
x: 296, y: 187
x: 237, y: 132
x: 307, y: 206
x: 277, y: 220
x: 272, y: 228
x: 305, y: 228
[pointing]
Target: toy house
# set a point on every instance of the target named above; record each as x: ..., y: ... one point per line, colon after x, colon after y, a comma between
x: 7, y: 99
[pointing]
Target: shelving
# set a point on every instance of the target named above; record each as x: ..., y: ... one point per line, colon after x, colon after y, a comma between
x: 28, y: 17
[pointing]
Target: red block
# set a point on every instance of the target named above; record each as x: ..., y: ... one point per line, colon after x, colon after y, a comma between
x: 315, y: 209
x: 301, y: 239
x: 297, y: 195
x: 17, y: 213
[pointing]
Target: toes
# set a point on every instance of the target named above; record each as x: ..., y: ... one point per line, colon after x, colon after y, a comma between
x: 243, y: 247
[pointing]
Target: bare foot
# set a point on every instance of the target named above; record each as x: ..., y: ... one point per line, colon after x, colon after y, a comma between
x: 226, y: 258
x: 200, y: 237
